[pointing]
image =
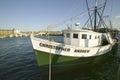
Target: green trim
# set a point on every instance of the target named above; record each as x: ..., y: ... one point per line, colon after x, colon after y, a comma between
x: 63, y: 63
x: 43, y: 58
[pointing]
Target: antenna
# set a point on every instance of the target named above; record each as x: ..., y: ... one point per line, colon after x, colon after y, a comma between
x: 96, y: 3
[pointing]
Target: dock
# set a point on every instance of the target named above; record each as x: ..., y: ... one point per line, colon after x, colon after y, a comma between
x: 4, y: 33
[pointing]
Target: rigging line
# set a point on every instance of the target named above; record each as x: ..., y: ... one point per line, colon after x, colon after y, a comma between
x: 50, y: 69
x: 75, y: 17
x: 106, y: 29
x: 88, y: 21
x: 105, y: 26
x: 50, y: 66
x: 50, y: 75
x: 102, y: 12
x: 111, y: 26
x: 100, y: 5
x: 102, y: 21
x: 89, y: 14
x: 100, y: 18
x: 111, y: 8
x: 96, y: 3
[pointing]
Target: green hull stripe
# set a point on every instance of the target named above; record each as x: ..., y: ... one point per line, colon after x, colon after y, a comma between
x: 43, y: 58
x: 65, y: 62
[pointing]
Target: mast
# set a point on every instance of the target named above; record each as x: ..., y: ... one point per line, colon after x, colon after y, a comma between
x: 95, y: 14
x: 95, y: 18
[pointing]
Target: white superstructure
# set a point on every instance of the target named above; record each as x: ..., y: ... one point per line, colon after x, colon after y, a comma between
x: 82, y: 38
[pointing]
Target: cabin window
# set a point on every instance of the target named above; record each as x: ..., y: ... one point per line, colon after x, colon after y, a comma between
x: 84, y: 36
x: 75, y: 35
x: 98, y: 37
x: 90, y: 37
x: 68, y: 35
x: 64, y: 35
x: 95, y: 37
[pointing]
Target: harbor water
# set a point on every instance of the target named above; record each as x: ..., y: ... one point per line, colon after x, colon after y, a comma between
x: 17, y: 62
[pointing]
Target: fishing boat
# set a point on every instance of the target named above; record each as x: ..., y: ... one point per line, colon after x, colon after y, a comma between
x: 80, y: 46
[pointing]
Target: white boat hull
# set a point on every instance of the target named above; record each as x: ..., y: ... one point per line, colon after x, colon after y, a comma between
x: 67, y: 50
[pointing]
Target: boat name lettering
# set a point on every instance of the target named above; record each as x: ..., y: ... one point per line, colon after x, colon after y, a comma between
x: 81, y: 51
x: 54, y: 47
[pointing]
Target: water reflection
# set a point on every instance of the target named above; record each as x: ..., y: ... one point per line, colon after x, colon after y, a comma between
x: 105, y: 70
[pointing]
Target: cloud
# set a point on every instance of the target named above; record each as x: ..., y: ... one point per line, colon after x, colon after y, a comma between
x: 118, y: 17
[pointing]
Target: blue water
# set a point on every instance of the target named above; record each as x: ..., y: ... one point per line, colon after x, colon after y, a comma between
x: 17, y: 62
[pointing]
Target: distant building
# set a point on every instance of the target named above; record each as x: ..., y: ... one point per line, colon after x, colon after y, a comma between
x: 15, y: 31
x: 7, y: 32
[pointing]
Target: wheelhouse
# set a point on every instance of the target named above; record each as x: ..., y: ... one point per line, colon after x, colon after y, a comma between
x: 82, y: 38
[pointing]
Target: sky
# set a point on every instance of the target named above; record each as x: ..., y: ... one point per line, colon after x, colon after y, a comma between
x: 35, y: 15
